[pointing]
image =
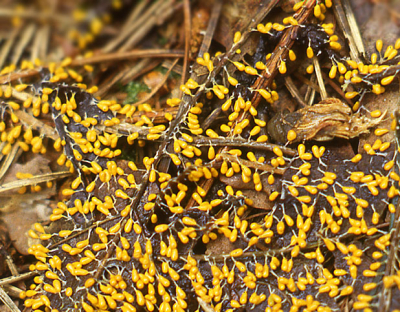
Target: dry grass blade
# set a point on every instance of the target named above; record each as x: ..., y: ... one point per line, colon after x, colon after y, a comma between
x: 320, y: 79
x: 294, y: 91
x: 355, y: 30
x: 160, y: 11
x: 129, y: 27
x: 310, y: 95
x: 110, y: 82
x: 40, y: 43
x: 137, y: 70
x: 26, y: 37
x: 342, y: 13
x: 309, y: 82
x: 2, y: 144
x: 34, y: 180
x: 212, y: 24
x: 7, y: 301
x: 7, y: 78
x: 35, y: 15
x: 312, y: 87
x: 12, y: 291
x: 45, y: 42
x: 13, y: 155
x: 119, y: 56
x: 8, y: 45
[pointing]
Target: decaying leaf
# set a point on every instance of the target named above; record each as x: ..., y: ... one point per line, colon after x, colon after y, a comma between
x: 322, y: 122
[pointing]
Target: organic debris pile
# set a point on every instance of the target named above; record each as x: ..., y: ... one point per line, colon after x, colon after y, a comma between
x: 232, y: 196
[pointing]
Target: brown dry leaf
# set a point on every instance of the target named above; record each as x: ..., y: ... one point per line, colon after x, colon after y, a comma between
x: 34, y: 207
x: 379, y: 26
x: 235, y: 15
x: 36, y: 166
x: 222, y: 245
x: 389, y: 101
x: 260, y: 199
x: 322, y: 122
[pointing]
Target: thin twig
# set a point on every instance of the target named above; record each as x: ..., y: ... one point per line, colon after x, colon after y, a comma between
x: 205, y: 141
x: 110, y: 250
x: 17, y: 278
x: 11, y: 265
x: 281, y: 51
x: 188, y: 32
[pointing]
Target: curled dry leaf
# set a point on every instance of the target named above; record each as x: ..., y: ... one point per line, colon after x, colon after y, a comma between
x: 322, y: 122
